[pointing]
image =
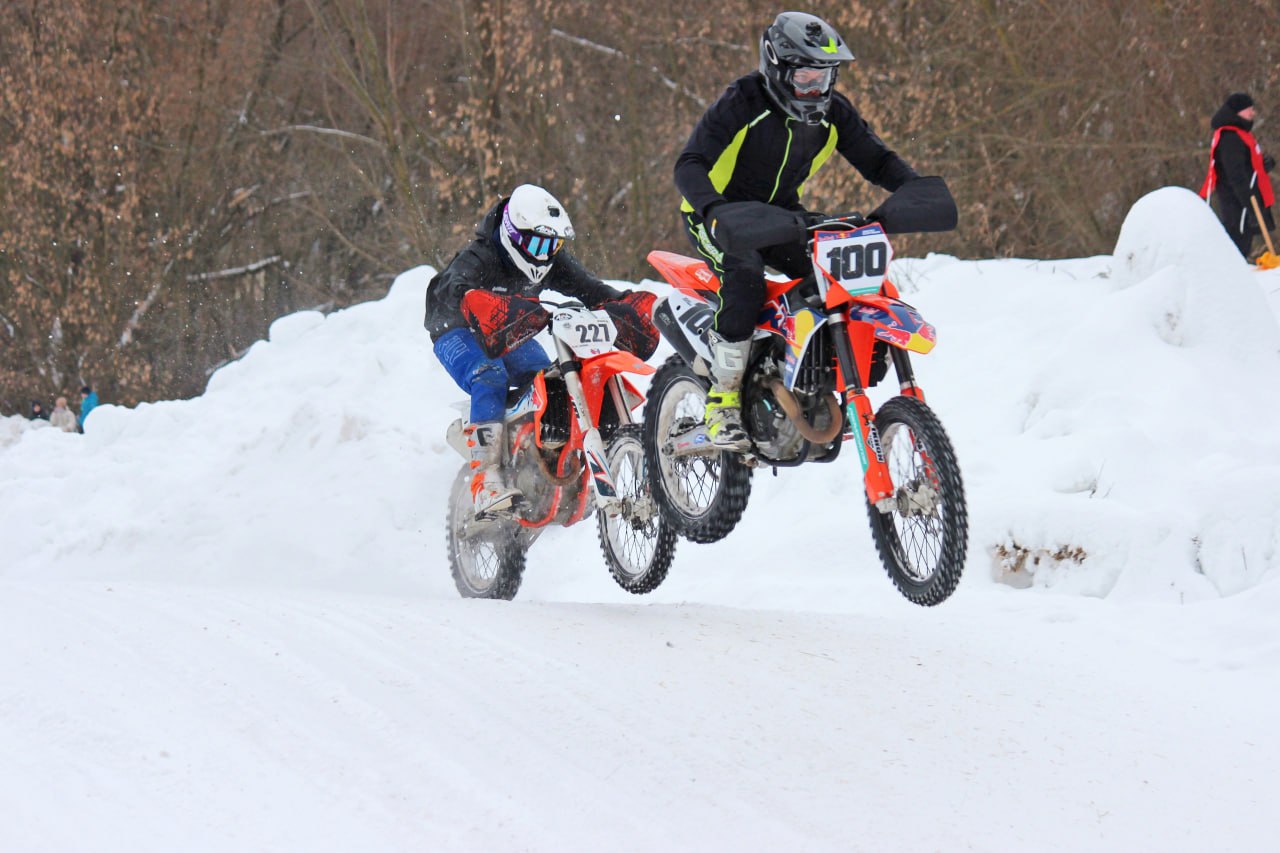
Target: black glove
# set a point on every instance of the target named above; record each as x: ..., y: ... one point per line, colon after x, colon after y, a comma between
x: 740, y: 226
x: 1268, y: 162
x: 706, y: 213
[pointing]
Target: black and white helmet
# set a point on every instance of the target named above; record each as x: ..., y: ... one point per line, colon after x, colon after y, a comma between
x: 800, y: 55
x: 534, y: 228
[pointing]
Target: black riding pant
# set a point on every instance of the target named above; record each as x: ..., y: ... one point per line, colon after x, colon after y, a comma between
x: 742, y: 287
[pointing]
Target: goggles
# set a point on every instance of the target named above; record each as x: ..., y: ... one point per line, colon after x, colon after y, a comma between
x: 535, y: 246
x: 811, y: 82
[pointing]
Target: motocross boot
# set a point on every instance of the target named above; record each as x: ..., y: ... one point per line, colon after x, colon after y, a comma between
x: 723, y: 415
x: 490, y: 494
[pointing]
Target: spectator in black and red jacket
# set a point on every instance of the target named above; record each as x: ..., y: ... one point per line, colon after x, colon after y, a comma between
x: 1237, y: 171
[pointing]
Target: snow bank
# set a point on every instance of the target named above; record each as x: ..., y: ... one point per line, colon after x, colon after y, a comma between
x: 1112, y: 416
x: 1123, y: 447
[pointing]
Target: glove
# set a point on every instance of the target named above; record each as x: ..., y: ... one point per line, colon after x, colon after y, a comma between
x: 632, y: 317
x: 502, y: 323
x: 1268, y: 162
x: 642, y: 301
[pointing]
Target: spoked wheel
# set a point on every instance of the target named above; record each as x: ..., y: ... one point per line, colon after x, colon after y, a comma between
x: 703, y: 496
x: 638, y: 543
x: 922, y: 540
x: 486, y: 557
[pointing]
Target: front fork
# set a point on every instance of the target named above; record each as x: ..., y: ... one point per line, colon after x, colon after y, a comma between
x: 875, y: 471
x: 592, y: 444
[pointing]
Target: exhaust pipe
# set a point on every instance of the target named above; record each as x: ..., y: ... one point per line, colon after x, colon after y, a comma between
x: 791, y: 408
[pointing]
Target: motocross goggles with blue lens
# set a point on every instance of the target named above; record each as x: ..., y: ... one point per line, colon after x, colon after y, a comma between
x: 532, y: 244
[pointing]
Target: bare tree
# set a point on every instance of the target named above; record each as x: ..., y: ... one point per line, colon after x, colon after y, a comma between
x: 177, y: 173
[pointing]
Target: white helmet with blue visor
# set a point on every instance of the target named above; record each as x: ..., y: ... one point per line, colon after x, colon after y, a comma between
x: 534, y: 228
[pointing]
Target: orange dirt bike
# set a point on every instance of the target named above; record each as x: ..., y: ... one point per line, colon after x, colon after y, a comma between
x: 572, y: 448
x: 819, y: 342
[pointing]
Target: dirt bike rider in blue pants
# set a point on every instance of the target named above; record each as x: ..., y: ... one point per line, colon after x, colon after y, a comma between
x: 761, y: 141
x: 517, y: 252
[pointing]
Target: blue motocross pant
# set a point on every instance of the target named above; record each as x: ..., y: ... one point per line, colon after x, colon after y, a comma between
x: 487, y: 379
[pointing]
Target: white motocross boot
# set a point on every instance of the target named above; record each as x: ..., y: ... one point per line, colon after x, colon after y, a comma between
x: 490, y: 494
x: 723, y: 415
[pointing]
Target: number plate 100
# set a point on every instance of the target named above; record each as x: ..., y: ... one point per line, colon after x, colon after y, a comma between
x: 855, y: 260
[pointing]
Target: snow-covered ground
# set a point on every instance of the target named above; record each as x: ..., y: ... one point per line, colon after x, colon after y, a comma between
x: 228, y: 623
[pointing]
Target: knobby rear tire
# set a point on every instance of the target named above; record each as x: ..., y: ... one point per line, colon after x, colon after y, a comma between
x: 702, y: 497
x: 489, y: 561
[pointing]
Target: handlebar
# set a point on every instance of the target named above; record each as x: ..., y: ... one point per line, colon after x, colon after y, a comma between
x: 834, y: 221
x: 921, y: 205
x: 552, y: 305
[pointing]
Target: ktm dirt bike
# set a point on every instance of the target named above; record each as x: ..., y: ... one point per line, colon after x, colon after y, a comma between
x: 573, y: 449
x: 818, y: 344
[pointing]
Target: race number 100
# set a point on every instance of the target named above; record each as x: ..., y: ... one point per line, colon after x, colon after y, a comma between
x: 858, y: 260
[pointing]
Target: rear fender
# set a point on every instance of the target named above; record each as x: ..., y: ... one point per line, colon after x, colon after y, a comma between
x: 686, y: 274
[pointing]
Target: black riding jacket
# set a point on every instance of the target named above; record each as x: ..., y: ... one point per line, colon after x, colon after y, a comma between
x: 744, y: 148
x: 483, y: 264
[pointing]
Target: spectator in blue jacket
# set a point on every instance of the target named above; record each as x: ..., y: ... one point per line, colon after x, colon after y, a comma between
x: 88, y: 401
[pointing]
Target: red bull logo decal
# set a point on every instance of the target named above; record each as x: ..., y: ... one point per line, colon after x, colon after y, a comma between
x: 897, y: 337
x: 799, y: 328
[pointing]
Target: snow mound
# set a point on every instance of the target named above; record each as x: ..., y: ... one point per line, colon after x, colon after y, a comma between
x: 1201, y: 291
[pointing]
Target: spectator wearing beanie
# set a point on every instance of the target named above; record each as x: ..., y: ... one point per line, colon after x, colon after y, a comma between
x: 1238, y: 171
x: 62, y: 417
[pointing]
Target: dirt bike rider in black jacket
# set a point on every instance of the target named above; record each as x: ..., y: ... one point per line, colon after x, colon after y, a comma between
x: 761, y: 141
x: 518, y: 251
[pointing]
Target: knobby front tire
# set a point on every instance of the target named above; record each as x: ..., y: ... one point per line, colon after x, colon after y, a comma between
x: 638, y: 543
x: 922, y: 541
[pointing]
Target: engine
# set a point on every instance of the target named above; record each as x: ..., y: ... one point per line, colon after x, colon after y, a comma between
x: 530, y: 465
x: 775, y: 434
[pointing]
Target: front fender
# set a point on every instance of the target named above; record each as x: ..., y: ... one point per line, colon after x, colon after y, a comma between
x: 598, y: 369
x: 894, y: 322
x: 616, y: 361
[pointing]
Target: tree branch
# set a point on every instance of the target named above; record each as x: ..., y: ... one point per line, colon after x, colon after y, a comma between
x: 324, y: 131
x: 235, y: 271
